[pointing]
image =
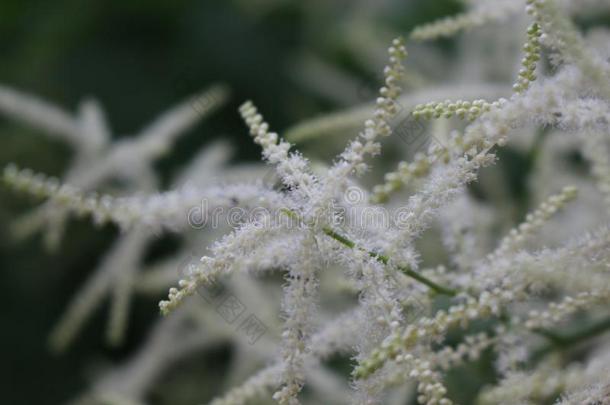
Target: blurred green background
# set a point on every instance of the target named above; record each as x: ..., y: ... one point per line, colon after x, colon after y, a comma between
x: 139, y: 58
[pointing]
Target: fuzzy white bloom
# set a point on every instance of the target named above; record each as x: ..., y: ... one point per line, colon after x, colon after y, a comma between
x: 97, y: 159
x: 466, y: 225
x: 292, y: 168
x: 410, y: 280
x: 300, y: 300
x: 225, y: 254
x: 173, y: 209
x: 489, y: 303
x: 560, y: 34
x: 352, y: 159
x: 441, y: 187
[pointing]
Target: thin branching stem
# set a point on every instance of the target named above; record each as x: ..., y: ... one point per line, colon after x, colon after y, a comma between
x: 345, y: 241
x: 385, y: 260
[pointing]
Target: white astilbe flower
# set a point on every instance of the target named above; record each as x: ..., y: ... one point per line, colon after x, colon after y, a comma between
x: 441, y: 187
x: 494, y: 126
x: 473, y: 142
x: 98, y: 160
x: 173, y: 209
x: 560, y: 34
x: 300, y: 299
x: 119, y: 273
x: 116, y: 276
x: 490, y: 301
x: 430, y: 281
x: 225, y: 257
x: 465, y: 224
x: 382, y: 314
x: 291, y: 167
x: 427, y: 328
x: 549, y: 267
x: 419, y: 168
x: 352, y: 159
x: 557, y: 266
x: 552, y: 101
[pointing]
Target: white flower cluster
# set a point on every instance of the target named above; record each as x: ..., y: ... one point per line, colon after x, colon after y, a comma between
x: 379, y: 125
x: 167, y: 209
x: 425, y: 296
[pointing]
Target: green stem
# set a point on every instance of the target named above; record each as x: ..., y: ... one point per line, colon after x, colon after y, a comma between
x: 384, y: 259
x: 436, y: 287
x: 340, y: 238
